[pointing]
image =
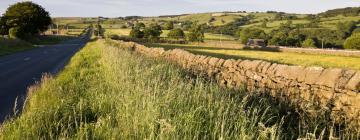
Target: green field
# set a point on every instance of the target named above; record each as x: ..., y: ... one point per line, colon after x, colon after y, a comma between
x: 327, y: 61
x: 109, y: 93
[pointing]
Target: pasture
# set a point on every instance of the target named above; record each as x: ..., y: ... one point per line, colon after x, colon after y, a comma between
x: 303, y: 59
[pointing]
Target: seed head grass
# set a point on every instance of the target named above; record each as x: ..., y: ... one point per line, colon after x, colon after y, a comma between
x: 109, y: 93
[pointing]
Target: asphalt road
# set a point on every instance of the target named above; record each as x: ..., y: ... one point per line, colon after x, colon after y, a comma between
x: 19, y: 71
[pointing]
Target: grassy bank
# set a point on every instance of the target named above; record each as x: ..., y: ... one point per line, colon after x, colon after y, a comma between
x: 50, y: 39
x: 9, y: 46
x: 108, y: 93
x: 327, y: 61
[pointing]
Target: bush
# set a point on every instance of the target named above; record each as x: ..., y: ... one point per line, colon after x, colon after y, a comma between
x: 136, y: 33
x: 352, y: 42
x: 309, y: 43
x: 249, y: 33
x: 176, y: 34
x: 15, y: 32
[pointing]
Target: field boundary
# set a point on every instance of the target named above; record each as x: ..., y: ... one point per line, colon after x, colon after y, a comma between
x: 316, y: 90
x: 315, y: 51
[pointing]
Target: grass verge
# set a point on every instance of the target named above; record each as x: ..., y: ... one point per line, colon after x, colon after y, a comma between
x: 9, y: 46
x: 109, y: 93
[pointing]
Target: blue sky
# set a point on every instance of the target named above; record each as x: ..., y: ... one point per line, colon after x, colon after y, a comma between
x: 116, y: 8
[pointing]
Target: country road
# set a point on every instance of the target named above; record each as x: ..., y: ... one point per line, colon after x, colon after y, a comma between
x: 20, y: 70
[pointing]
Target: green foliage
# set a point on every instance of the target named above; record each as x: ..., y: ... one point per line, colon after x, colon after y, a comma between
x: 349, y: 11
x: 31, y: 18
x: 251, y: 33
x: 353, y: 42
x: 169, y: 25
x: 4, y: 30
x: 356, y: 31
x: 137, y: 30
x: 152, y: 32
x: 309, y: 43
x: 98, y: 31
x: 346, y: 28
x: 196, y: 33
x: 15, y: 32
x: 136, y: 33
x: 176, y: 34
x: 140, y: 26
x: 231, y: 28
x: 108, y: 93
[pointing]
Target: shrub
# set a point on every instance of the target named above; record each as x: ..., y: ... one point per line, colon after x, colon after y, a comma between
x: 136, y: 33
x: 15, y: 32
x: 352, y: 42
x: 249, y: 33
x: 309, y: 43
x: 176, y: 34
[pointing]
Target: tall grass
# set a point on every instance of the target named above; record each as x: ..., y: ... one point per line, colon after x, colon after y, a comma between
x: 109, y: 93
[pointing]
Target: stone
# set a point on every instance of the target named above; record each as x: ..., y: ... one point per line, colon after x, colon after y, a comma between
x: 329, y: 77
x: 345, y: 78
x: 229, y: 63
x: 354, y: 83
x: 312, y: 74
x: 213, y: 61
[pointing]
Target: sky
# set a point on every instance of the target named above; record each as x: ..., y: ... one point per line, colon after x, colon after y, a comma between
x: 118, y: 8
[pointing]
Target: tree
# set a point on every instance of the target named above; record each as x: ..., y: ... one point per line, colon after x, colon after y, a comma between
x: 152, y: 32
x: 136, y: 33
x: 346, y: 28
x: 169, y: 25
x: 137, y: 30
x: 176, y: 34
x: 196, y: 33
x: 3, y: 28
x: 139, y: 26
x: 353, y: 42
x: 309, y: 43
x: 249, y: 33
x: 28, y: 17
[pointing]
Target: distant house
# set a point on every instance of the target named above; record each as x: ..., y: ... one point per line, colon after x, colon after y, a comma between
x: 256, y: 43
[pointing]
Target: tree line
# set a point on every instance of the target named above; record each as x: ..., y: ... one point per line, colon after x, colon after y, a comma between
x: 153, y: 31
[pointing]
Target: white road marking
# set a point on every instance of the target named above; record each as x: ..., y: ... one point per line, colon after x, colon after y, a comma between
x: 27, y: 59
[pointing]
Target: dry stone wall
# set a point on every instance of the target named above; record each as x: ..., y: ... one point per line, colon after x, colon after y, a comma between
x: 335, y: 90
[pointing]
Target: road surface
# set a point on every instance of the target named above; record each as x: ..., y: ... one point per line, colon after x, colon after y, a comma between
x: 20, y: 70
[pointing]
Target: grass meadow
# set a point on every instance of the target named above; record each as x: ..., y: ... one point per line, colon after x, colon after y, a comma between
x: 110, y: 93
x: 230, y: 49
x: 303, y: 59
